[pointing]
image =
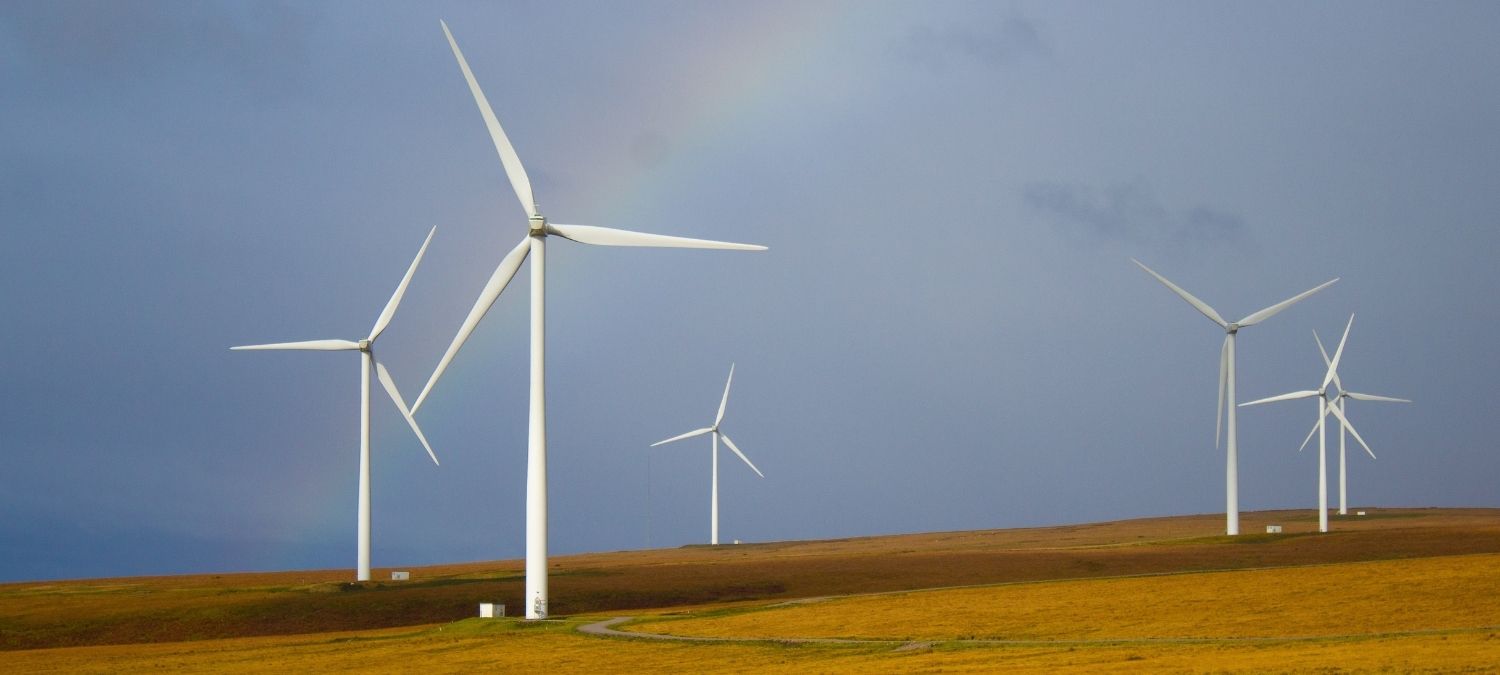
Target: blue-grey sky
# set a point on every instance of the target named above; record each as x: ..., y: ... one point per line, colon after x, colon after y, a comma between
x: 946, y: 332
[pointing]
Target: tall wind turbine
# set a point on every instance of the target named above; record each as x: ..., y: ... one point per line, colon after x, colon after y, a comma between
x: 1321, y: 393
x: 534, y: 243
x: 365, y: 348
x: 1226, y: 384
x: 1341, y: 403
x: 713, y: 532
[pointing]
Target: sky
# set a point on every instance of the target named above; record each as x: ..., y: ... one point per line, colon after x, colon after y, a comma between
x: 946, y: 332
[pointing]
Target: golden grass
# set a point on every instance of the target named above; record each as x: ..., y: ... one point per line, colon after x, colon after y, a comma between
x: 312, y: 621
x: 1354, y: 599
x: 502, y: 647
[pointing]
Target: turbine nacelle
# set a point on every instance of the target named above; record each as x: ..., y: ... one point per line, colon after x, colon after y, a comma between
x: 1232, y: 328
x: 365, y: 344
x: 537, y: 226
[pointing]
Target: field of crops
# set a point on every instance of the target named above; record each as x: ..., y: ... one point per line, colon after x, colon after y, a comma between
x: 1400, y: 590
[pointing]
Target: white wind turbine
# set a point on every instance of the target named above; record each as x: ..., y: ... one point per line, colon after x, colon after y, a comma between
x: 366, y: 360
x: 1226, y: 384
x: 534, y: 243
x: 713, y: 536
x: 1340, y: 403
x: 1321, y: 393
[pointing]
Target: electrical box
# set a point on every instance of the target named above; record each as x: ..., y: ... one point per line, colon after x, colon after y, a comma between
x: 491, y: 610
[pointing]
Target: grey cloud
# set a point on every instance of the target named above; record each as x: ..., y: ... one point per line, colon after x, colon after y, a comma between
x: 650, y: 149
x: 995, y: 43
x: 1129, y: 212
x: 263, y: 44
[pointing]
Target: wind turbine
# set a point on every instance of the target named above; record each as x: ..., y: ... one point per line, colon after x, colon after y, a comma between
x: 534, y: 243
x: 1321, y: 393
x: 1340, y: 403
x: 366, y: 360
x: 1226, y: 384
x: 713, y: 536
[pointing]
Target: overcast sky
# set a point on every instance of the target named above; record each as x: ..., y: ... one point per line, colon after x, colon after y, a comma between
x: 946, y: 333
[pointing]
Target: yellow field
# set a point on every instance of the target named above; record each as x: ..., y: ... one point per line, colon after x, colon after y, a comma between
x: 1351, y: 599
x: 502, y: 647
x: 1404, y: 591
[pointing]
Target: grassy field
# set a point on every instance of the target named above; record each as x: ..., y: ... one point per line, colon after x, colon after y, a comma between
x: 1374, y: 586
x: 1433, y: 595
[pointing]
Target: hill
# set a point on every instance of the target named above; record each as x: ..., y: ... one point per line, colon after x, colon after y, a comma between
x: 202, y: 607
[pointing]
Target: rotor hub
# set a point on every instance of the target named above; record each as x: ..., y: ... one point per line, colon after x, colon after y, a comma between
x: 364, y: 345
x: 537, y: 226
x: 1232, y: 328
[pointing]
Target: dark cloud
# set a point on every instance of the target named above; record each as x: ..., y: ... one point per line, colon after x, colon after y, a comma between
x: 265, y: 44
x: 999, y: 41
x: 650, y: 149
x: 1129, y: 212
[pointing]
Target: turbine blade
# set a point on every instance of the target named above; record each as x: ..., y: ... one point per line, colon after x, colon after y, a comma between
x: 741, y: 454
x: 1350, y: 427
x: 1333, y: 366
x: 690, y: 434
x: 1327, y: 361
x: 1273, y: 310
x: 1307, y: 440
x: 1223, y: 381
x: 487, y: 297
x: 724, y: 401
x: 608, y: 236
x: 513, y: 169
x: 1283, y: 397
x: 1195, y: 302
x: 314, y: 345
x: 390, y: 305
x: 390, y: 388
x: 1372, y: 397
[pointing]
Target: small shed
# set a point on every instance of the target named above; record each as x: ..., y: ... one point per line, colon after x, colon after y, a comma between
x: 401, y: 576
x: 491, y: 610
x: 1273, y: 529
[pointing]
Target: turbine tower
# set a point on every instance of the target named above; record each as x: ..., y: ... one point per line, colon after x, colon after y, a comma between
x: 534, y: 243
x: 1226, y: 385
x: 1321, y: 393
x: 713, y: 531
x: 1341, y: 403
x: 366, y: 351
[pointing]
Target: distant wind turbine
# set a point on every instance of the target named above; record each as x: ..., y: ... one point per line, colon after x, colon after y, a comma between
x: 1321, y: 393
x: 534, y: 243
x: 366, y: 360
x: 1341, y: 404
x: 713, y: 536
x: 1226, y: 384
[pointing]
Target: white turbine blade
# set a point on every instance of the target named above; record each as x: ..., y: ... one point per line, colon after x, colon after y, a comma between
x: 1333, y: 366
x: 1271, y: 311
x: 1327, y: 361
x: 487, y: 297
x: 1307, y: 440
x: 1283, y: 397
x: 724, y: 401
x: 390, y: 388
x: 608, y: 236
x: 1372, y: 397
x: 390, y: 305
x: 508, y: 158
x: 1350, y: 427
x: 314, y: 345
x: 1223, y: 375
x: 690, y: 434
x: 1195, y: 302
x: 741, y: 454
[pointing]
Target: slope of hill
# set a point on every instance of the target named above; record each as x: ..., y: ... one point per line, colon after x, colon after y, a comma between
x: 172, y: 609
